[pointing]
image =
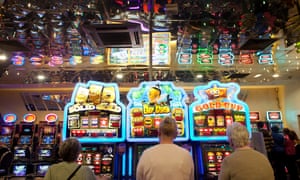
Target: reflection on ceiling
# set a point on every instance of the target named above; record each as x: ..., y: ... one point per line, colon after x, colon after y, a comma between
x: 251, y: 42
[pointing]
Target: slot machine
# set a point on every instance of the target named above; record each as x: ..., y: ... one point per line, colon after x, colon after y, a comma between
x: 22, y: 163
x: 47, y: 145
x: 8, y: 128
x: 148, y: 105
x: 216, y: 107
x: 274, y: 118
x: 96, y: 117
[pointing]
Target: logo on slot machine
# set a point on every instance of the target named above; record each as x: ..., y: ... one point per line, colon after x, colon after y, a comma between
x: 216, y: 92
x: 29, y: 118
x: 10, y: 118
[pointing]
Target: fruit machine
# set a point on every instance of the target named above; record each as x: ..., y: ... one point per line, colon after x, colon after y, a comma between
x: 216, y: 106
x: 46, y: 152
x: 96, y: 117
x: 8, y: 128
x: 22, y: 163
x: 274, y: 118
x: 254, y: 119
x: 147, y: 105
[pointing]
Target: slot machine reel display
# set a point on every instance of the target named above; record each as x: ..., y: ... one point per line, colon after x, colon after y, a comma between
x: 216, y: 107
x: 96, y: 117
x: 148, y: 105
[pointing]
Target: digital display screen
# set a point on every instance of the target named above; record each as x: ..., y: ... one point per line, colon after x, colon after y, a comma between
x: 25, y: 140
x: 27, y: 130
x: 6, y: 130
x: 20, y: 153
x: 42, y: 169
x: 19, y: 170
x: 5, y: 139
x: 45, y: 152
x: 48, y: 140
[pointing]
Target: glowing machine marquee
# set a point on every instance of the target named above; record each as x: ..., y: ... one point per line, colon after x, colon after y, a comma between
x: 216, y: 107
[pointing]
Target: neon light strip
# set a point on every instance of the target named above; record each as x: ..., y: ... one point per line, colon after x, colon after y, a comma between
x: 130, y: 160
x: 200, y: 159
x: 123, y: 164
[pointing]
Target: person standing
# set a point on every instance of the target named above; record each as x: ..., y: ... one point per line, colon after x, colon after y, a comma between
x: 166, y: 160
x: 244, y: 163
x: 268, y: 139
x: 278, y: 154
x: 68, y: 168
x: 290, y: 153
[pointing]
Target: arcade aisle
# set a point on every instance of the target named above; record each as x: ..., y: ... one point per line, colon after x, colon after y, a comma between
x: 114, y: 135
x: 107, y: 72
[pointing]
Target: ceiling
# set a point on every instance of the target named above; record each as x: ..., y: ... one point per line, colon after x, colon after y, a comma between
x: 250, y: 29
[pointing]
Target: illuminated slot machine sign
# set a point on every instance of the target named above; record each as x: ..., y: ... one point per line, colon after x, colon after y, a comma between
x: 216, y: 107
x: 8, y: 129
x: 149, y: 104
x: 275, y: 119
x: 95, y: 114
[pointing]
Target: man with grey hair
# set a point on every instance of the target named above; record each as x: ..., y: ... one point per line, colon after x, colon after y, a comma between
x: 244, y: 163
x: 68, y: 168
x: 166, y: 160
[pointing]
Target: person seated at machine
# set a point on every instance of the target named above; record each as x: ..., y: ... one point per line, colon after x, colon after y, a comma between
x: 6, y: 157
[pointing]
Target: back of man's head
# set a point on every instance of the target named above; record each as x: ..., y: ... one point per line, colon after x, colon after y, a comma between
x: 168, y: 127
x: 238, y: 135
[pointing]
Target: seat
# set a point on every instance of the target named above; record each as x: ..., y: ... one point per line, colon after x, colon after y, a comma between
x: 6, y: 160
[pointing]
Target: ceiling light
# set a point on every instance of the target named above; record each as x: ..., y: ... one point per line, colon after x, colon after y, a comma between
x: 199, y: 76
x: 3, y: 57
x: 276, y: 75
x: 257, y: 75
x: 41, y: 77
x: 119, y: 76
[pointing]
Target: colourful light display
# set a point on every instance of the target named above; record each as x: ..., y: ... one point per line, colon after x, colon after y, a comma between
x: 216, y: 107
x: 149, y: 104
x: 95, y: 114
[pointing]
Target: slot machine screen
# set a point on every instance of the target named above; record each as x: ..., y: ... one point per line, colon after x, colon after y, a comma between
x: 5, y: 139
x: 6, y: 131
x: 48, y: 139
x: 20, y: 153
x: 19, y: 170
x: 42, y: 169
x: 45, y: 152
x: 27, y: 130
x: 25, y: 139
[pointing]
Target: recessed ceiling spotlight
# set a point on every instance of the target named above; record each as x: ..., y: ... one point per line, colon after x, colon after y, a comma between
x: 257, y: 75
x: 119, y: 76
x: 199, y: 76
x: 41, y: 77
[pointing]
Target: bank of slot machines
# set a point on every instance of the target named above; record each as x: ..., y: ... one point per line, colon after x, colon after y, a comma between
x: 148, y: 105
x: 96, y: 117
x: 23, y: 150
x: 216, y: 107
